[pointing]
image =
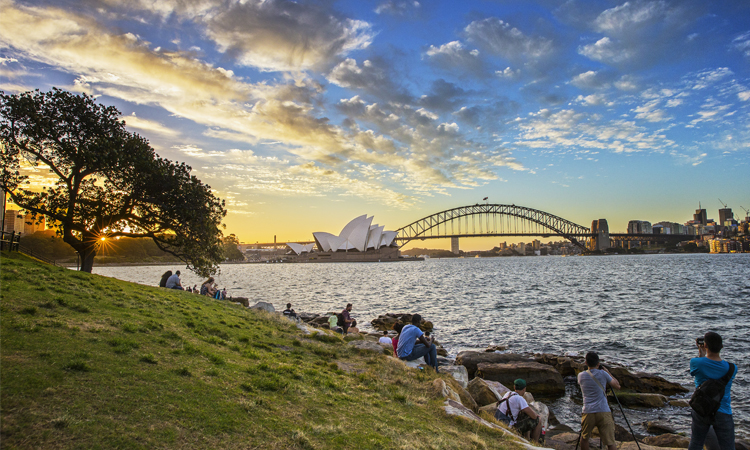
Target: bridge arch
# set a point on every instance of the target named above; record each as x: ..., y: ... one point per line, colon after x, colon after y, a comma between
x: 513, y: 221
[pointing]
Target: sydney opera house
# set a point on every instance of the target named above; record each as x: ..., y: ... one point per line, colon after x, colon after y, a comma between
x: 359, y: 240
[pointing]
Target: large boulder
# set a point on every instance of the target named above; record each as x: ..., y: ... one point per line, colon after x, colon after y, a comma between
x: 458, y: 373
x: 264, y: 306
x: 642, y: 446
x: 541, y: 379
x: 367, y: 345
x: 566, y: 365
x: 645, y: 382
x: 481, y: 393
x: 659, y: 427
x: 464, y: 396
x: 668, y: 440
x: 470, y: 359
x: 636, y: 399
x: 497, y: 388
x: 241, y: 300
x: 385, y: 322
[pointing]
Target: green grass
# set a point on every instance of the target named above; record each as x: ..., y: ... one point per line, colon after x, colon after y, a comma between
x: 92, y: 362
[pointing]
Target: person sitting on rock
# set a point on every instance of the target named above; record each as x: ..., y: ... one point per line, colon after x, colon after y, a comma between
x: 345, y: 319
x: 333, y: 323
x: 522, y: 416
x: 289, y: 312
x: 596, y: 412
x: 384, y: 339
x: 412, y: 344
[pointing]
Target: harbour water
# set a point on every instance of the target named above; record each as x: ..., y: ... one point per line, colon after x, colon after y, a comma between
x: 643, y: 311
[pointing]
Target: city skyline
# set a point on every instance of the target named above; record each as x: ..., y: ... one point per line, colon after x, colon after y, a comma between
x: 304, y: 115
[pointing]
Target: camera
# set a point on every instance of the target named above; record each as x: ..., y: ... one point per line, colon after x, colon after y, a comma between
x: 699, y: 341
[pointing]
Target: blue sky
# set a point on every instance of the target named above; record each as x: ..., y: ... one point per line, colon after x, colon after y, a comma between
x: 303, y: 115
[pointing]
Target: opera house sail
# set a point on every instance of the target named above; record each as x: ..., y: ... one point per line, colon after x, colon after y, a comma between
x: 359, y: 240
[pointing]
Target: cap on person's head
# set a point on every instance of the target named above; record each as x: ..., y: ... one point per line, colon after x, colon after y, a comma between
x: 592, y: 360
x: 519, y: 384
x: 416, y: 319
x: 713, y: 341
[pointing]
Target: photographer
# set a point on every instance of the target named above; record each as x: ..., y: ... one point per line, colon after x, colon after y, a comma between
x: 709, y: 366
x: 596, y: 412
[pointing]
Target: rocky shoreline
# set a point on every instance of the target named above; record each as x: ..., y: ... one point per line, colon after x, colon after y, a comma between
x: 479, y: 380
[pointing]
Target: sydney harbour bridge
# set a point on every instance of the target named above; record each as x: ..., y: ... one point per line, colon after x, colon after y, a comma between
x: 488, y: 220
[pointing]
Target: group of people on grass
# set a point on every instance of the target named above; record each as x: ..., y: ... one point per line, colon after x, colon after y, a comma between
x: 209, y: 287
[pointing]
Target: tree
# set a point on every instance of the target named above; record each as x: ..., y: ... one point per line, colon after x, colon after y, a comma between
x: 106, y: 182
x: 231, y: 251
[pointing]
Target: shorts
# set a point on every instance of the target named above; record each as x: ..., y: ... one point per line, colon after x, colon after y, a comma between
x: 603, y: 422
x: 525, y: 423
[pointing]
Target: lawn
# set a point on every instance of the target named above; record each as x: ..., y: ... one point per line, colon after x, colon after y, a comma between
x: 94, y: 362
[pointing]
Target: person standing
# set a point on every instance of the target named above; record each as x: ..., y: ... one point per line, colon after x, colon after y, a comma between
x: 709, y: 366
x: 596, y: 412
x: 174, y: 282
x: 413, y: 344
x: 513, y: 404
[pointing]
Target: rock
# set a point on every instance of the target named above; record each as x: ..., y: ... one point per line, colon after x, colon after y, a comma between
x: 645, y: 382
x: 416, y: 363
x: 490, y: 409
x: 680, y: 403
x: 565, y: 440
x: 442, y: 352
x: 463, y: 394
x: 636, y: 399
x: 622, y: 434
x: 567, y: 366
x: 541, y: 379
x: 470, y: 359
x: 453, y: 408
x: 481, y: 393
x: 643, y: 446
x: 498, y: 388
x: 366, y: 345
x: 543, y: 411
x: 659, y: 427
x: 528, y: 397
x: 668, y: 440
x: 558, y: 428
x: 385, y: 322
x: 496, y: 348
x: 245, y: 302
x: 458, y: 373
x: 742, y: 445
x: 445, y: 391
x: 264, y: 306
x: 303, y: 327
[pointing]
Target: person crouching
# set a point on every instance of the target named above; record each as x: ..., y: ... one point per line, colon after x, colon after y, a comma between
x: 514, y: 410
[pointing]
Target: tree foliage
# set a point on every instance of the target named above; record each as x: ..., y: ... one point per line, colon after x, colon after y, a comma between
x: 231, y: 249
x: 104, y: 181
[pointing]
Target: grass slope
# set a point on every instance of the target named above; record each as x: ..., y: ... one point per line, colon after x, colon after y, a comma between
x: 93, y: 362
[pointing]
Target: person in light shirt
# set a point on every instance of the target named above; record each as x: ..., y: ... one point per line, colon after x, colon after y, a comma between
x: 384, y: 339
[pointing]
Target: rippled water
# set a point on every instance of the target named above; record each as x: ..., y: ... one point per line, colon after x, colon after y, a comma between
x: 644, y: 311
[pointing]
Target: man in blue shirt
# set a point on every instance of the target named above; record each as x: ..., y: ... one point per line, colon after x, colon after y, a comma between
x: 709, y: 365
x: 413, y: 344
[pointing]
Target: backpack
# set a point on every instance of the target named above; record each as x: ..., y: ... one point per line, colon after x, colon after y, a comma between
x: 507, y: 418
x: 706, y: 399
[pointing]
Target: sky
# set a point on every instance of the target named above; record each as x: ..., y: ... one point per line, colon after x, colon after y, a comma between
x: 303, y: 115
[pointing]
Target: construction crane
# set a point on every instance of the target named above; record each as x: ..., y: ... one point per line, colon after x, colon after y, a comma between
x: 724, y: 204
x: 747, y: 213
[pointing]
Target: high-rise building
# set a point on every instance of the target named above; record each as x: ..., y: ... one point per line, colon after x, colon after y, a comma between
x: 31, y: 226
x: 724, y: 215
x: 13, y: 221
x: 639, y: 227
x: 700, y: 216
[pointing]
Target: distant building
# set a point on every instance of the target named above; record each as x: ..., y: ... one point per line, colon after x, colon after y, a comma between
x: 639, y: 227
x: 724, y: 215
x: 31, y: 226
x: 536, y: 244
x: 14, y: 221
x: 700, y: 216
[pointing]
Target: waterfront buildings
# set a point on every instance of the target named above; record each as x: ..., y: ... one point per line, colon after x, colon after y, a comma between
x: 17, y: 222
x: 639, y: 227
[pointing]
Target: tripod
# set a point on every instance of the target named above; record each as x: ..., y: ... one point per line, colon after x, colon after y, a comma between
x: 613, y: 419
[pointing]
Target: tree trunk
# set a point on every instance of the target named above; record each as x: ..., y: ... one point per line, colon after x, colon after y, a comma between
x: 86, y: 249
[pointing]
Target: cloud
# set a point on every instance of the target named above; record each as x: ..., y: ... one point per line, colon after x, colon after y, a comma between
x: 642, y: 33
x: 398, y: 8
x: 373, y: 76
x: 454, y: 56
x: 593, y: 100
x: 508, y: 73
x: 502, y: 39
x: 650, y: 112
x: 742, y: 44
x: 151, y: 126
x: 744, y: 95
x: 590, y: 80
x: 285, y: 35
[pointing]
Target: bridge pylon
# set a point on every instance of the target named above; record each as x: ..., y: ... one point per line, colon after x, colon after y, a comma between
x: 600, y: 235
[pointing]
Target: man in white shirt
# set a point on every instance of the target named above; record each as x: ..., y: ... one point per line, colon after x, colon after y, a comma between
x: 384, y: 339
x: 527, y: 423
x: 173, y: 282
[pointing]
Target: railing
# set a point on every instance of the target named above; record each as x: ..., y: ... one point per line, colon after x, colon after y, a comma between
x: 12, y: 241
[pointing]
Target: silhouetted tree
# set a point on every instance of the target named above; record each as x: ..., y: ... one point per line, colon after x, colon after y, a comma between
x: 106, y: 182
x: 231, y: 251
